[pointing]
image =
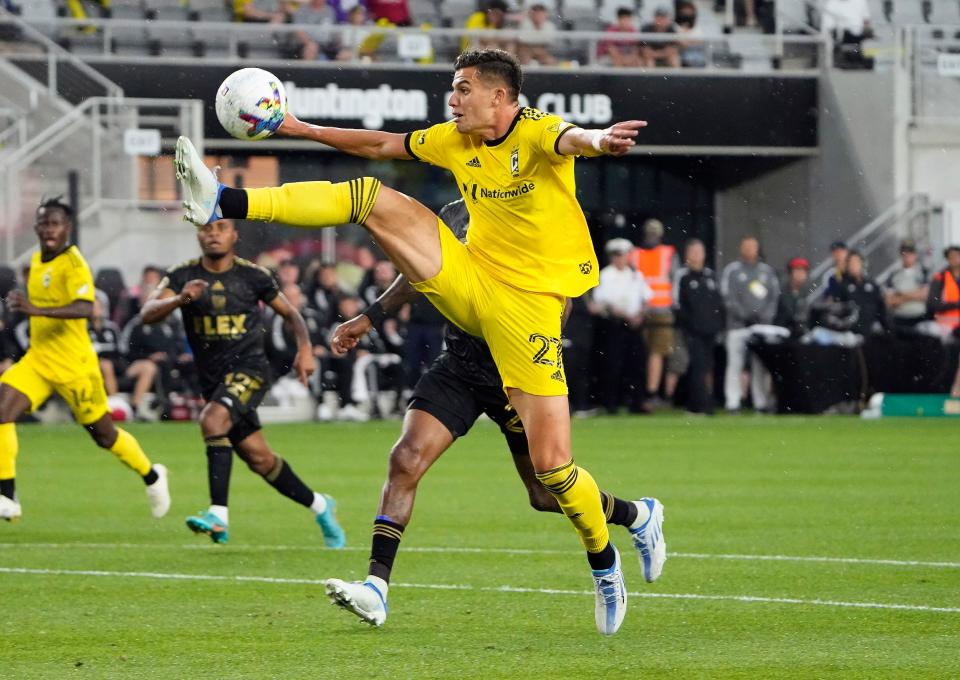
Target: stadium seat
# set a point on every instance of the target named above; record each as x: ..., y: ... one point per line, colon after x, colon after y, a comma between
x: 8, y: 280
x: 110, y: 281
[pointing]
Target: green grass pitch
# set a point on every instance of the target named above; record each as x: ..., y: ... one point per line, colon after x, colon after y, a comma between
x: 92, y: 587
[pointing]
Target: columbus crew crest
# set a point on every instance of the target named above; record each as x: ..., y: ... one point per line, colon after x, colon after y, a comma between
x: 515, y: 161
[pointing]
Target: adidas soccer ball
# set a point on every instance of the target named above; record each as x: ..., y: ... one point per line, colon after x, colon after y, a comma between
x: 251, y: 104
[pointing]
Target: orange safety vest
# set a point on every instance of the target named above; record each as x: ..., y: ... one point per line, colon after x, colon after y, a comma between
x: 654, y: 263
x: 951, y: 293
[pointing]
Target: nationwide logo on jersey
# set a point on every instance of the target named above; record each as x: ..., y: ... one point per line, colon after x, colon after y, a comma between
x: 476, y: 192
x: 515, y: 161
x: 473, y: 162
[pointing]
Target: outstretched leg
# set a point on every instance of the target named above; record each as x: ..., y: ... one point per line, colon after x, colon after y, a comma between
x: 404, y: 228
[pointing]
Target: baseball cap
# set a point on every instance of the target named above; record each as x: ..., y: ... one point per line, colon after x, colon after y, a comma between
x: 838, y: 245
x: 618, y: 246
x: 798, y: 263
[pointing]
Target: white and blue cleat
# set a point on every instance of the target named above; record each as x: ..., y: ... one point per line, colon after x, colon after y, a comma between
x: 649, y: 541
x: 611, y: 597
x: 201, y: 188
x: 362, y: 599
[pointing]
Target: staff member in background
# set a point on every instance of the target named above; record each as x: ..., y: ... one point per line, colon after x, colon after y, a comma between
x: 858, y: 288
x: 700, y: 317
x: 750, y: 292
x: 793, y: 307
x: 906, y: 288
x: 657, y: 262
x: 620, y: 297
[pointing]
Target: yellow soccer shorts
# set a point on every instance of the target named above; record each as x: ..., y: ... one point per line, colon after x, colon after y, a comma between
x: 84, y: 394
x: 521, y: 328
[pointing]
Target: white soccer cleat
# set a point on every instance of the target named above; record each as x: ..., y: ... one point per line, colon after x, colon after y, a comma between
x: 158, y: 493
x: 649, y: 541
x: 201, y: 188
x: 362, y: 599
x: 611, y: 597
x: 9, y: 509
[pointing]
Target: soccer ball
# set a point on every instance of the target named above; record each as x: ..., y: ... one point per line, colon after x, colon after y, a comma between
x: 251, y: 104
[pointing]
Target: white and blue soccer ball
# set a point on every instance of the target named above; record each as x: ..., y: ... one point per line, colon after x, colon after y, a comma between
x: 251, y: 104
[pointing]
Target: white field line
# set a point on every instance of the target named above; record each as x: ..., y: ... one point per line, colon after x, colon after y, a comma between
x: 487, y: 589
x: 498, y: 551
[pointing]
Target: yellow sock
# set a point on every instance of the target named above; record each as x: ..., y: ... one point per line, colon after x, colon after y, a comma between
x: 128, y: 450
x: 314, y: 204
x: 579, y: 498
x: 8, y: 451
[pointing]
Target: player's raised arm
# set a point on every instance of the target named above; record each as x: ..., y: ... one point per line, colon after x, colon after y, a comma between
x: 304, y: 364
x: 615, y: 140
x: 346, y: 336
x: 374, y: 144
x: 164, y: 300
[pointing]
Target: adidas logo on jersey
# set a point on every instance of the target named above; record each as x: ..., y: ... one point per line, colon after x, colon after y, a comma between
x: 558, y: 375
x: 473, y: 162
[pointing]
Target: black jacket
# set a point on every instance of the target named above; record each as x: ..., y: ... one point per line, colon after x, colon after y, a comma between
x: 699, y: 308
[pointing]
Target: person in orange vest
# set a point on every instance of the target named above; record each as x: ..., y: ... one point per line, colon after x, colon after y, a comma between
x: 657, y: 262
x: 943, y: 302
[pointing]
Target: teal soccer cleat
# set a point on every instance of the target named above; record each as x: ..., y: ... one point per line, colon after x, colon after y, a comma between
x: 333, y: 536
x: 209, y: 524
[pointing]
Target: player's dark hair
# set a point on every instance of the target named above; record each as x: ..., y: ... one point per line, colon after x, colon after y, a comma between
x: 152, y: 269
x: 624, y: 12
x: 496, y: 65
x: 56, y: 203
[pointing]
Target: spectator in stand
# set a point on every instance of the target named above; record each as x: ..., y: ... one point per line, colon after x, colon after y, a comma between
x: 323, y: 293
x: 657, y: 262
x: 317, y: 41
x: 865, y: 293
x: 906, y: 289
x: 578, y: 344
x: 537, y: 49
x: 365, y: 261
x: 424, y: 337
x: 622, y: 52
x: 831, y: 279
x: 150, y: 278
x: 700, y: 313
x: 396, y: 12
x: 793, y: 308
x: 692, y: 53
x: 943, y: 299
x: 391, y: 335
x: 848, y: 22
x: 492, y: 18
x: 750, y: 292
x: 338, y: 371
x: 288, y: 273
x: 660, y: 53
x: 281, y: 345
x: 620, y: 297
x: 257, y: 11
x: 105, y: 337
x: 355, y: 38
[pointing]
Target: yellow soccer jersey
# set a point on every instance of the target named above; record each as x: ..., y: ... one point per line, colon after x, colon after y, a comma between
x: 60, y: 348
x: 526, y: 226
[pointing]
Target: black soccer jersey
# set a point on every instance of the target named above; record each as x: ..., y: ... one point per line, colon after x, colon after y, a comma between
x: 225, y: 324
x: 467, y: 356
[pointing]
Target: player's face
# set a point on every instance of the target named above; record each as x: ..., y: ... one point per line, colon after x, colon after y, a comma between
x: 53, y: 229
x: 218, y: 239
x: 474, y: 103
